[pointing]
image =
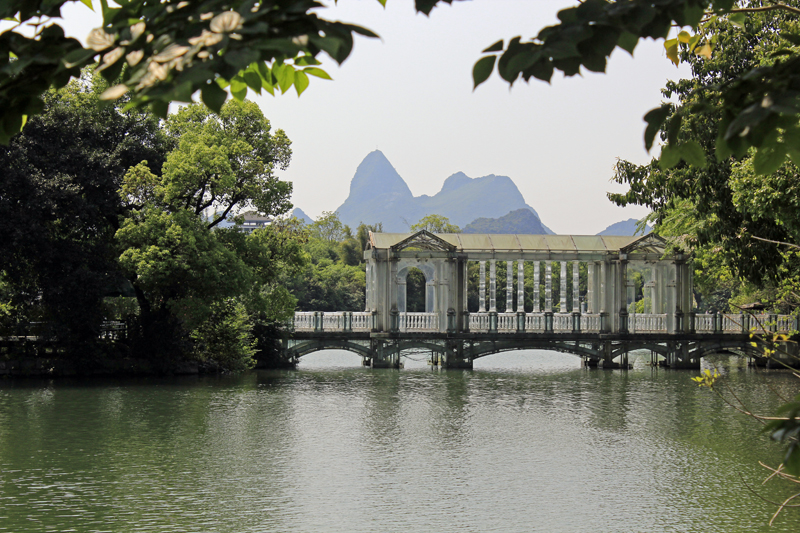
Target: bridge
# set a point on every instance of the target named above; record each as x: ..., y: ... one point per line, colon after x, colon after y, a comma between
x: 598, y: 314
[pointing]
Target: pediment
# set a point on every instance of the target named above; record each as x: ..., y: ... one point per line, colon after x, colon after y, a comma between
x: 647, y: 244
x: 424, y: 240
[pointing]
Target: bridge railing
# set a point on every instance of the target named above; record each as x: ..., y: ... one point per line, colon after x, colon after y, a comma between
x: 479, y: 322
x: 562, y: 322
x: 507, y: 322
x: 648, y: 323
x: 363, y: 321
x: 743, y: 323
x: 534, y: 322
x: 590, y: 322
x: 304, y: 320
x: 334, y: 321
x: 419, y: 322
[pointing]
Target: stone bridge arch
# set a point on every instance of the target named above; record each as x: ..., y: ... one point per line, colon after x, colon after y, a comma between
x: 309, y: 346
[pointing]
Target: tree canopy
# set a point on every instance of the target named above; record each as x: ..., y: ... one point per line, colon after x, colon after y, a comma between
x: 435, y: 224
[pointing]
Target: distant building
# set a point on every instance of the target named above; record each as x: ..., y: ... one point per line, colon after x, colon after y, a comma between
x: 254, y: 222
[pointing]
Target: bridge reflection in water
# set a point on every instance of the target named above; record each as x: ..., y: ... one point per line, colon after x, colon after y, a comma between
x: 597, y: 323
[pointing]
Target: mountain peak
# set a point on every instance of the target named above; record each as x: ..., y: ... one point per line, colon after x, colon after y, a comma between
x: 456, y: 181
x: 376, y: 175
x: 624, y: 228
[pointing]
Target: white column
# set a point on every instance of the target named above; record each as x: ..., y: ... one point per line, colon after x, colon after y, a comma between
x: 509, y: 286
x: 604, y: 288
x: 590, y: 288
x: 562, y: 307
x: 492, y: 286
x: 537, y: 306
x: 465, y: 272
x: 548, y: 287
x: 520, y: 286
x: 576, y: 287
x: 482, y: 289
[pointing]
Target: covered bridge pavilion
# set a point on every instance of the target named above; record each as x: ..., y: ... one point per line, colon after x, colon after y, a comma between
x: 602, y: 306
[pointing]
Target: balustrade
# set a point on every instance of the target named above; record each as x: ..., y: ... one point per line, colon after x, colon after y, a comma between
x: 333, y: 321
x: 647, y: 323
x: 534, y: 322
x: 562, y: 322
x: 590, y: 322
x: 479, y: 322
x: 507, y: 323
x: 304, y: 321
x: 363, y: 321
x: 419, y: 322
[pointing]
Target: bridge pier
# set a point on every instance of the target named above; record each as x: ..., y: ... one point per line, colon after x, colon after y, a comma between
x: 455, y: 356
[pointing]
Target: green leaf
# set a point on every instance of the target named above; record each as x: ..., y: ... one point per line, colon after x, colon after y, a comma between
x: 693, y: 153
x: 769, y: 157
x: 670, y: 156
x: 305, y: 61
x: 318, y: 72
x: 721, y: 148
x: 684, y: 37
x: 674, y: 128
x: 213, y: 96
x: 654, y: 118
x: 737, y: 19
x: 253, y: 80
x: 672, y: 51
x: 628, y: 41
x: 496, y: 47
x: 693, y: 14
x: 482, y: 70
x: 241, y: 57
x: 793, y: 38
x: 300, y: 82
x: 285, y: 77
x: 791, y: 139
x: 87, y: 3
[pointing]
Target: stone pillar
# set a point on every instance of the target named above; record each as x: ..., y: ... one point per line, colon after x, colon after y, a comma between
x: 402, y: 295
x: 590, y: 288
x: 621, y: 283
x: 492, y: 286
x: 548, y: 287
x: 576, y: 287
x: 509, y: 286
x: 562, y: 303
x: 482, y: 289
x: 520, y: 286
x: 605, y: 297
x: 370, y: 289
x: 465, y: 272
x: 537, y: 306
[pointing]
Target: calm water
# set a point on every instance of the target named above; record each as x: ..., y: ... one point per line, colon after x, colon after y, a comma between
x: 525, y: 442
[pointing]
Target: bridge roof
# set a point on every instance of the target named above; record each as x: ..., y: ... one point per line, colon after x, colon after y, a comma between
x: 485, y: 242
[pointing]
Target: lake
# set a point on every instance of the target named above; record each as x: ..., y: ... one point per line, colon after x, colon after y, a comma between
x: 527, y: 441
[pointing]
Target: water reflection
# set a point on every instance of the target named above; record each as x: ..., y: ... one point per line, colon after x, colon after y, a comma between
x: 527, y: 441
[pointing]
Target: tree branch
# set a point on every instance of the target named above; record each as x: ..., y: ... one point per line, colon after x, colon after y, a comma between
x: 776, y: 242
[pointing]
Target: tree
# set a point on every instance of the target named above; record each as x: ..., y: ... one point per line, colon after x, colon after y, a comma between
x: 435, y: 224
x: 329, y: 228
x: 192, y: 278
x: 59, y: 207
x: 164, y: 51
x: 719, y: 209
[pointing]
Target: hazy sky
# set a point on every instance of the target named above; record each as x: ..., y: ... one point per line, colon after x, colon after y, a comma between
x: 410, y: 95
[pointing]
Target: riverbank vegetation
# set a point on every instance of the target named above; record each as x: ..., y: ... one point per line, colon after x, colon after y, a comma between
x: 112, y: 214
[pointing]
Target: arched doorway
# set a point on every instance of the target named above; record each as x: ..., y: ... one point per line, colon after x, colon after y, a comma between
x: 416, y: 288
x: 415, y: 291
